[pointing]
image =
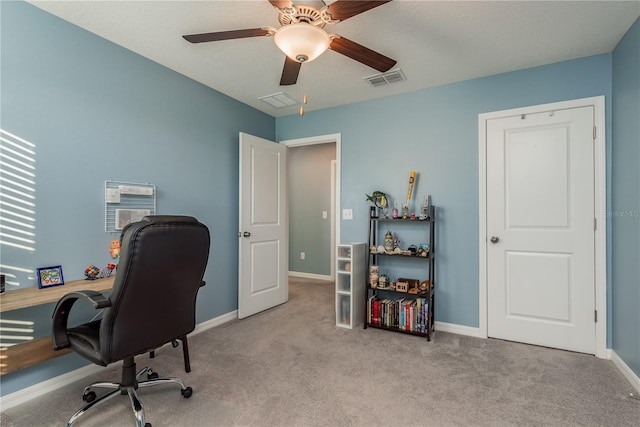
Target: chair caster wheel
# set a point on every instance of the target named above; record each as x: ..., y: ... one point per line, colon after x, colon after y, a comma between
x: 187, y: 392
x: 147, y: 424
x: 89, y: 396
x: 174, y: 343
x: 152, y: 375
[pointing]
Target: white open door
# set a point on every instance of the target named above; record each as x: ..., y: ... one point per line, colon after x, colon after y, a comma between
x: 263, y: 258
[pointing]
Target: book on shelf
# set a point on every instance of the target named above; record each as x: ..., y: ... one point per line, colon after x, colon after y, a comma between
x: 410, y: 315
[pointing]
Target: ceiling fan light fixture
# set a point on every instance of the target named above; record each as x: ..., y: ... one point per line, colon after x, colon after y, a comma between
x: 302, y: 42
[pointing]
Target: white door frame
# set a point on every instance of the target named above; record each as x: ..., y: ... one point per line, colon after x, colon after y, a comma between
x: 332, y: 212
x: 600, y: 195
x: 327, y: 139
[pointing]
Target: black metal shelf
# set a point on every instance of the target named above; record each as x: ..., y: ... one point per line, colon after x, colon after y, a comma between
x: 372, y: 295
x: 416, y: 220
x: 421, y: 294
x: 430, y: 256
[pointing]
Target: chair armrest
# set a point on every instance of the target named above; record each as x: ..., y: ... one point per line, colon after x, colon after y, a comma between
x: 62, y: 310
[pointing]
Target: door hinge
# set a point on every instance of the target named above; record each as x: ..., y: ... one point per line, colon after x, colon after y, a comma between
x: 594, y: 133
x: 595, y: 316
x: 595, y: 224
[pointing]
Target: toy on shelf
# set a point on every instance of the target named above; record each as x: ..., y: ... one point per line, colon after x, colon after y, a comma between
x: 376, y: 198
x: 106, y: 272
x: 115, y: 248
x: 381, y: 201
x: 405, y: 207
x: 92, y: 272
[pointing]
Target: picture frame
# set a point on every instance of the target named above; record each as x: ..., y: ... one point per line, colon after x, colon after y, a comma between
x: 50, y: 276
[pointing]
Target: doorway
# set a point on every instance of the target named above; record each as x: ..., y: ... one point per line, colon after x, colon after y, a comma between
x: 542, y: 225
x: 320, y: 216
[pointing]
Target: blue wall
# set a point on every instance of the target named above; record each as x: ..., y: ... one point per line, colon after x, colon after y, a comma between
x: 95, y: 112
x: 625, y: 206
x: 435, y: 132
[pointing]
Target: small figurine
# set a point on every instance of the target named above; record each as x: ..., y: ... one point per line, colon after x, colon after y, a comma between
x: 383, y: 281
x: 423, y: 250
x: 425, y: 208
x: 115, y: 248
x: 373, y: 276
x: 388, y: 242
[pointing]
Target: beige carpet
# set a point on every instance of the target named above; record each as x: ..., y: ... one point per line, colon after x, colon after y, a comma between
x: 290, y: 366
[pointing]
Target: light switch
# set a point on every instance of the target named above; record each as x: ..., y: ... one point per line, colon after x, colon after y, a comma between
x: 324, y: 214
x: 347, y: 213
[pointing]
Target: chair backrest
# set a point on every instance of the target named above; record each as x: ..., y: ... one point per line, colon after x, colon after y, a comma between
x: 162, y: 264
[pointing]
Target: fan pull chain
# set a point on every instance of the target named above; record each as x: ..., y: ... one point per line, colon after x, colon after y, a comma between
x: 304, y: 95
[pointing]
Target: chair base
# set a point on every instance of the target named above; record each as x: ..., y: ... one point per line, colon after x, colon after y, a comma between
x: 127, y: 386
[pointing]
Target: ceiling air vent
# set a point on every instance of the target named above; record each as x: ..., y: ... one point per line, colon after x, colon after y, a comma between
x: 385, y: 78
x: 279, y: 100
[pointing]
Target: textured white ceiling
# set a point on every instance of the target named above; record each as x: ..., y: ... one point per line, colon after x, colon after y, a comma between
x: 434, y: 42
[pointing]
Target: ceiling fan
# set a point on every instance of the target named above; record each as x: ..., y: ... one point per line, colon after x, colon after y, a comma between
x: 302, y: 36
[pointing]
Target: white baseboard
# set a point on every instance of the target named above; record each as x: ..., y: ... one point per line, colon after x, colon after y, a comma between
x: 52, y: 384
x: 457, y: 329
x: 309, y: 275
x: 45, y: 387
x: 626, y: 371
x: 217, y: 321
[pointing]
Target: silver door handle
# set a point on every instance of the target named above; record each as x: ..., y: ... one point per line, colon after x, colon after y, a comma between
x: 494, y: 239
x: 246, y: 234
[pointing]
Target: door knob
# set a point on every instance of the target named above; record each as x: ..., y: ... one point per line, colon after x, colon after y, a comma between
x: 494, y: 239
x: 246, y: 234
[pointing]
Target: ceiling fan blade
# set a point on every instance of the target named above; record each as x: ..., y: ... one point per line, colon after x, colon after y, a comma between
x: 362, y: 54
x: 226, y: 35
x: 345, y: 9
x: 290, y: 72
x: 280, y: 3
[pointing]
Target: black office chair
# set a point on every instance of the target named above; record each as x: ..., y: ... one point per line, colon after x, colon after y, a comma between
x: 162, y: 264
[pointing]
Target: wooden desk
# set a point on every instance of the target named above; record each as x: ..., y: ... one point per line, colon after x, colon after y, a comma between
x: 30, y: 353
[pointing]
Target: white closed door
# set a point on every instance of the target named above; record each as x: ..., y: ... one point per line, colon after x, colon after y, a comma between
x: 540, y: 229
x: 263, y: 228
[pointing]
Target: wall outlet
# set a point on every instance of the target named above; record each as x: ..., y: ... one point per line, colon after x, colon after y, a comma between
x: 347, y: 213
x: 302, y: 255
x: 324, y: 214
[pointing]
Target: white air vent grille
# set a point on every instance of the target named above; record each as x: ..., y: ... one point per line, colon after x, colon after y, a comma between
x: 385, y: 78
x: 279, y: 100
